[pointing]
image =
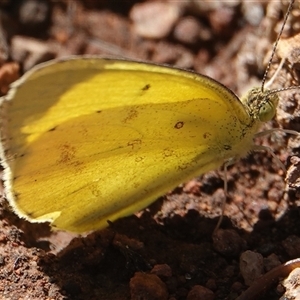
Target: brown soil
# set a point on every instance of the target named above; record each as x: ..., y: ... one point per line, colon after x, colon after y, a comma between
x: 167, y: 251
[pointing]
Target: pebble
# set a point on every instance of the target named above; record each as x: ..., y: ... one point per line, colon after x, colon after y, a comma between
x: 253, y: 12
x: 199, y: 292
x: 251, y: 266
x: 189, y: 31
x: 34, y: 15
x: 9, y: 72
x: 221, y: 19
x: 154, y: 20
x: 228, y: 242
x: 147, y: 287
x: 162, y: 271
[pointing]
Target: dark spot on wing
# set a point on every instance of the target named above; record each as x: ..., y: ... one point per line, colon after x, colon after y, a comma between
x: 146, y: 87
x: 179, y: 125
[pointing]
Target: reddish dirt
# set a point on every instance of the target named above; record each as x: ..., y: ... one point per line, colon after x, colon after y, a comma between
x: 167, y: 251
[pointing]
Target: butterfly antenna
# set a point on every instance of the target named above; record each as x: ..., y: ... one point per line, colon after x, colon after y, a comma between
x: 275, y: 45
x: 294, y: 87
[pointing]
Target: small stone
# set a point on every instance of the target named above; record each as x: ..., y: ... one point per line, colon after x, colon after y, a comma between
x: 154, y: 19
x: 162, y: 271
x: 9, y: 72
x: 251, y: 266
x: 228, y: 242
x: 188, y: 31
x: 253, y: 12
x: 147, y: 286
x: 221, y: 19
x: 199, y: 292
x: 34, y: 14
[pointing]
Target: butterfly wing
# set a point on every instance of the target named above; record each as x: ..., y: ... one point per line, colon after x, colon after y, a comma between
x: 91, y: 140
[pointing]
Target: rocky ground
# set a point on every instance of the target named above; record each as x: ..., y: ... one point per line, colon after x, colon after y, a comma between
x: 167, y: 251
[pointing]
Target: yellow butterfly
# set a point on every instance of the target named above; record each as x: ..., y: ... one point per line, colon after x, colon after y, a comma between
x: 89, y: 140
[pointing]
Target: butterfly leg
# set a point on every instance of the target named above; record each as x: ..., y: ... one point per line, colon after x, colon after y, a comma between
x: 226, y: 165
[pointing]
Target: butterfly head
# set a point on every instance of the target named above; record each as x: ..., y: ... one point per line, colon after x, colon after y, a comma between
x: 261, y: 104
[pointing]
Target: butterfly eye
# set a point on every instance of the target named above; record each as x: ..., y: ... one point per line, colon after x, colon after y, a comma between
x: 268, y: 109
